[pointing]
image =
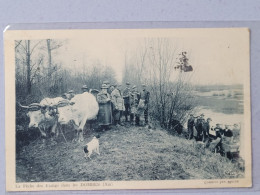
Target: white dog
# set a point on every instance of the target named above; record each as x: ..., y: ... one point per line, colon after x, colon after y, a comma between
x: 92, y: 146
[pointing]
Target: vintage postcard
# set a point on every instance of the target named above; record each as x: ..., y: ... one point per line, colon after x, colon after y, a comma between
x: 127, y: 109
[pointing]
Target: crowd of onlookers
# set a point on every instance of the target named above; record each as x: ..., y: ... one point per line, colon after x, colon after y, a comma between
x: 213, y: 137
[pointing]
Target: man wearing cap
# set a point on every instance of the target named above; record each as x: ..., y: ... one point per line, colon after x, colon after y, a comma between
x: 64, y: 96
x: 119, y: 87
x: 205, y: 129
x: 107, y: 83
x: 144, y: 99
x: 190, y: 125
x: 84, y: 88
x: 70, y: 94
x: 134, y: 101
x: 105, y: 111
x: 110, y: 89
x: 126, y: 96
x: 117, y: 101
x: 198, y: 126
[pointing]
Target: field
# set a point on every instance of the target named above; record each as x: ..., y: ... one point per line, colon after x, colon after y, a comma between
x: 127, y: 153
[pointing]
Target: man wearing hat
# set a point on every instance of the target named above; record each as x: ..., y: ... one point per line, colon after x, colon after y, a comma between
x: 84, y: 88
x: 103, y: 96
x: 105, y: 111
x: 144, y: 100
x: 117, y: 101
x: 108, y: 86
x: 134, y: 101
x: 190, y: 125
x: 126, y: 96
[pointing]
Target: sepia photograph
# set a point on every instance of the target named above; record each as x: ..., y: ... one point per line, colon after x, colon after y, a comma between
x: 127, y: 109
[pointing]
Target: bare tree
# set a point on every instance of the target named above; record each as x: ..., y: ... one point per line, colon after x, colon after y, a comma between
x: 51, y: 45
x: 25, y: 49
x: 154, y: 64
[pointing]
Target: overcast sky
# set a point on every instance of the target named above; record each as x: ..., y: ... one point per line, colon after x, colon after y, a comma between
x: 218, y: 56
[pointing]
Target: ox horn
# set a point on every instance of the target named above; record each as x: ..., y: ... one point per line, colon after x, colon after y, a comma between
x: 23, y: 106
x: 35, y: 105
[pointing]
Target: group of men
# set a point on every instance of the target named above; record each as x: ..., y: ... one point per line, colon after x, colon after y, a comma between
x: 207, y: 134
x: 129, y: 102
x: 201, y: 125
x: 136, y: 103
x: 115, y: 102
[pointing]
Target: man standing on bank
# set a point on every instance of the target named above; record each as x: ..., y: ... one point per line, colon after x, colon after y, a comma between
x: 117, y: 105
x: 198, y: 127
x: 105, y: 109
x: 144, y: 97
x: 109, y: 90
x: 122, y: 107
x: 134, y: 102
x: 190, y: 126
x: 126, y: 96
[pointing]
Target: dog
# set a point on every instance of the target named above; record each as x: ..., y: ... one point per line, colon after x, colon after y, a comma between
x: 92, y: 146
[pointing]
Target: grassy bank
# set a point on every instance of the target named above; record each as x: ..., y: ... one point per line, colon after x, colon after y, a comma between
x: 126, y: 154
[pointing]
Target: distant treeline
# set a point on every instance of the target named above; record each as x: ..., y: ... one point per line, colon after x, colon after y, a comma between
x: 208, y: 88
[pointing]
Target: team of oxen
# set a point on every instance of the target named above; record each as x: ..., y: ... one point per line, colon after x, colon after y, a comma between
x: 51, y: 113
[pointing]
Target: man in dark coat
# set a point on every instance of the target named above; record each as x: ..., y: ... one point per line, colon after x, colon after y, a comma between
x: 134, y: 101
x: 198, y: 126
x: 126, y: 96
x: 190, y: 125
x: 105, y: 109
x: 145, y: 96
x: 122, y: 109
x: 227, y: 132
x: 227, y: 135
x: 205, y: 129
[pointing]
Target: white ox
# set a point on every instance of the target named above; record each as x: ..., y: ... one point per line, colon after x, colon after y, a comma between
x: 81, y: 108
x: 43, y: 115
